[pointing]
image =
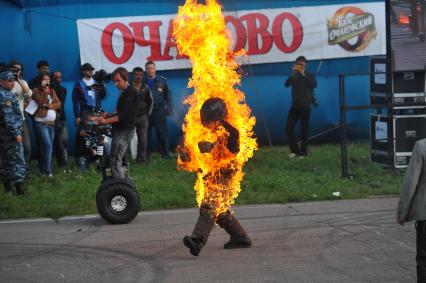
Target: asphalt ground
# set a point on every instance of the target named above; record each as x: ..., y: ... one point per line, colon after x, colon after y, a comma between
x: 330, y: 241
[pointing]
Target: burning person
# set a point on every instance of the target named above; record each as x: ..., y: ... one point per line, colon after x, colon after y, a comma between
x: 213, y: 114
x: 218, y: 129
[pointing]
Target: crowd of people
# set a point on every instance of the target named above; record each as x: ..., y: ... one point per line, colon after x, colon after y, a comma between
x: 144, y: 103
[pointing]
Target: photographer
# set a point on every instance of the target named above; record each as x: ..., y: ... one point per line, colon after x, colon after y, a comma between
x: 302, y: 85
x: 85, y: 100
x: 123, y: 122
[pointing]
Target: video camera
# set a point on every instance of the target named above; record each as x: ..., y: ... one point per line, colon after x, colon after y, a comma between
x: 101, y: 78
x: 96, y: 135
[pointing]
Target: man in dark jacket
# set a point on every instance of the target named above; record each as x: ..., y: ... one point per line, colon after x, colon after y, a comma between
x: 61, y: 130
x: 144, y: 109
x: 123, y: 122
x: 162, y: 108
x: 302, y: 85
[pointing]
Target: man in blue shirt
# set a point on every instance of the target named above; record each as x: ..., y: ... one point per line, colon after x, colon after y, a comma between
x: 162, y: 107
x: 85, y: 100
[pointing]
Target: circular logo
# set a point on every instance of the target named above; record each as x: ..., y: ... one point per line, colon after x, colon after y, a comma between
x: 351, y: 28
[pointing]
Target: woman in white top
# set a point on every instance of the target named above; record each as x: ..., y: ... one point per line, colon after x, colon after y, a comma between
x: 22, y: 92
x: 44, y: 120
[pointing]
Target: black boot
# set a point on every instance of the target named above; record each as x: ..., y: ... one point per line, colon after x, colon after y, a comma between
x: 201, y: 232
x: 232, y: 226
x: 7, y: 186
x: 20, y: 190
x: 193, y: 244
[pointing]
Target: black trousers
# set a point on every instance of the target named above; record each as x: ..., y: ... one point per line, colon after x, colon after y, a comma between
x: 296, y: 113
x: 158, y: 120
x: 421, y: 250
x: 61, y: 143
x: 142, y: 134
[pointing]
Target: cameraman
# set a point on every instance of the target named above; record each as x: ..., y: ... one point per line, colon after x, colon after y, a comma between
x: 123, y: 121
x: 85, y: 101
x: 302, y: 85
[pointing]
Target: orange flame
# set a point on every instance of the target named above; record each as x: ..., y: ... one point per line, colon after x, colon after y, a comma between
x: 404, y: 19
x: 200, y: 32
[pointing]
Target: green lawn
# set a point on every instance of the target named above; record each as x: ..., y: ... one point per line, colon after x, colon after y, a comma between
x: 271, y: 177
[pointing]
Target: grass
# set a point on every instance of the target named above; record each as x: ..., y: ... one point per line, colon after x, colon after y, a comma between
x: 271, y: 177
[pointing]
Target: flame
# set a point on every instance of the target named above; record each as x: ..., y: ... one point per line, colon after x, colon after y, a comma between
x: 200, y: 32
x: 404, y: 19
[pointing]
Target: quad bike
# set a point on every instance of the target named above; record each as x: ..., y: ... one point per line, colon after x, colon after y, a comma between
x: 117, y: 200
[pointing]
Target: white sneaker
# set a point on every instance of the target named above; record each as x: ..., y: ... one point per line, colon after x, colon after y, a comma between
x: 50, y: 175
x: 292, y: 155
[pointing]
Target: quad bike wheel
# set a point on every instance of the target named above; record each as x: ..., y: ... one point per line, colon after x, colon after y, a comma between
x: 117, y: 201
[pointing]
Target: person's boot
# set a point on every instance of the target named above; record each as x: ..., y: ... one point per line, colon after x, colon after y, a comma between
x: 7, y: 186
x: 20, y: 190
x: 232, y: 226
x: 201, y: 232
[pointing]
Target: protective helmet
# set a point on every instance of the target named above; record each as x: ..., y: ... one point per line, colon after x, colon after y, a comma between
x: 212, y: 110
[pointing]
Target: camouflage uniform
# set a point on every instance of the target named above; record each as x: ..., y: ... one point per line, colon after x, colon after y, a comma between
x: 12, y: 164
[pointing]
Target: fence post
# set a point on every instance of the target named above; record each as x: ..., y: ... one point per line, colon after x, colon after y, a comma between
x: 343, y: 140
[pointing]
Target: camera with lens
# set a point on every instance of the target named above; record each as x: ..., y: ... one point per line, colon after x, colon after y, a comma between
x: 96, y: 136
x: 101, y: 78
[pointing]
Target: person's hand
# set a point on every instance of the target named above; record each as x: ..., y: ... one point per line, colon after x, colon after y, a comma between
x: 183, y: 154
x: 100, y: 121
x: 19, y: 139
x: 205, y: 146
x: 400, y: 221
x: 77, y: 121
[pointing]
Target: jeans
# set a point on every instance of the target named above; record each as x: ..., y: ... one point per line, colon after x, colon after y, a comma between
x: 45, y: 134
x: 120, y: 142
x: 296, y: 113
x: 421, y: 250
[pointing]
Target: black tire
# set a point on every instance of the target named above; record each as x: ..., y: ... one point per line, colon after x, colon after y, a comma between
x: 117, y: 202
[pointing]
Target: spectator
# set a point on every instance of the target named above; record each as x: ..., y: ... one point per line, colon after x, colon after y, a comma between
x: 144, y: 109
x: 302, y: 85
x: 23, y: 93
x: 123, y: 122
x: 44, y: 120
x: 412, y: 203
x: 12, y: 163
x: 42, y: 67
x: 85, y: 101
x: 61, y: 130
x: 162, y: 107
